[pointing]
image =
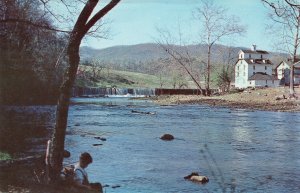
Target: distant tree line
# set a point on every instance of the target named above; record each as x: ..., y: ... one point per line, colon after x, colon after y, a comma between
x: 32, y: 55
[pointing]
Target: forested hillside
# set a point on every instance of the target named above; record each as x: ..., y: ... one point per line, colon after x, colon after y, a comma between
x: 152, y: 59
x: 31, y: 57
x: 133, y: 57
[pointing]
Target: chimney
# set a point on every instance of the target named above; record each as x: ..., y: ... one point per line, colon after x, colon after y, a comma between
x: 254, y: 48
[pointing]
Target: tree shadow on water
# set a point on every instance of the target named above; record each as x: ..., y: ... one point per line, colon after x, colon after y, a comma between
x: 22, y: 130
x: 229, y: 185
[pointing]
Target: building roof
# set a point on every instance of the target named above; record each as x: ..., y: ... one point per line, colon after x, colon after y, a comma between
x: 255, y: 52
x: 258, y: 61
x: 297, y: 65
x: 285, y: 62
x: 262, y: 76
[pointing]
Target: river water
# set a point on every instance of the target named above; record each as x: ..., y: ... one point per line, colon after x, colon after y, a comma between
x: 239, y: 150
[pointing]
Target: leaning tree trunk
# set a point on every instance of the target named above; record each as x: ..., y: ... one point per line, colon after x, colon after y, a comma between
x: 58, y: 139
x: 82, y: 26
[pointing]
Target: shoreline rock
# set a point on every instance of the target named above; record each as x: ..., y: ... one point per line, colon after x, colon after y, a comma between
x: 266, y: 101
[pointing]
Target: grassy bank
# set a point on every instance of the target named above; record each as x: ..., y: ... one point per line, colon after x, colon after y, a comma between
x: 4, y: 156
x: 270, y: 99
x: 120, y: 79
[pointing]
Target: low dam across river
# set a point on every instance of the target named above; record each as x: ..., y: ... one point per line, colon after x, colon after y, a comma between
x: 130, y: 92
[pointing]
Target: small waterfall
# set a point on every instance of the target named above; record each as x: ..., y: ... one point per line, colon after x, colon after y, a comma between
x: 88, y: 92
x: 134, y: 92
x: 121, y: 91
x: 112, y: 92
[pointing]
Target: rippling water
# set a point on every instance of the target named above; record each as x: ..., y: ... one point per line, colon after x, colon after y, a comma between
x: 239, y: 150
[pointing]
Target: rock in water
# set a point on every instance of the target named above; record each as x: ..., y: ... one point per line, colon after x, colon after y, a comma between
x: 195, y: 177
x: 100, y: 138
x: 97, y: 144
x: 167, y: 137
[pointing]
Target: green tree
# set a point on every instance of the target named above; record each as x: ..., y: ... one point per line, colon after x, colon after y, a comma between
x: 28, y: 54
x: 224, y: 78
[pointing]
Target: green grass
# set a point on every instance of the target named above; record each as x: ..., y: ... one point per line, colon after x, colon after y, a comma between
x: 124, y: 79
x: 4, y: 156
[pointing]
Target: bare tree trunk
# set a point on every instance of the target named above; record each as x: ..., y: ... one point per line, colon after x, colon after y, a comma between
x: 208, y: 70
x: 58, y: 139
x: 170, y: 52
x: 296, y: 43
x: 292, y: 90
x: 287, y: 15
x: 82, y: 26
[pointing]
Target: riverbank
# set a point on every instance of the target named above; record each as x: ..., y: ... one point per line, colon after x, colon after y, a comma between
x: 24, y: 131
x: 268, y: 99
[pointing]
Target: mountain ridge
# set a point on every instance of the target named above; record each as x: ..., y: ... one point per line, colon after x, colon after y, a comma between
x: 124, y: 57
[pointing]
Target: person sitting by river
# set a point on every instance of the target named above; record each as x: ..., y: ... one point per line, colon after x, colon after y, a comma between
x: 80, y: 175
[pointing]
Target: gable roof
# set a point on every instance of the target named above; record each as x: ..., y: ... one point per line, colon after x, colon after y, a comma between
x: 262, y: 76
x: 255, y: 52
x: 285, y: 62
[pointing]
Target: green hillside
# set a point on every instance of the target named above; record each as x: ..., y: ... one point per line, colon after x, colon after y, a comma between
x: 120, y: 79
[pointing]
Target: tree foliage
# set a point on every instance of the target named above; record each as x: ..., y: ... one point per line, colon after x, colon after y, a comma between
x: 30, y: 57
x: 224, y: 78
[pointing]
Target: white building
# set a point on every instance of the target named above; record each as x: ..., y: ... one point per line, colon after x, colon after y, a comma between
x: 254, y: 69
x: 283, y: 70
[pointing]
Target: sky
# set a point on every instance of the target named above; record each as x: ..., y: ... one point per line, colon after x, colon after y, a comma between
x: 136, y: 22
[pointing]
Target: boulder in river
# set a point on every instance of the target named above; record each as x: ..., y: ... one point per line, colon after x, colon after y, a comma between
x: 195, y: 177
x: 167, y: 137
x: 100, y: 138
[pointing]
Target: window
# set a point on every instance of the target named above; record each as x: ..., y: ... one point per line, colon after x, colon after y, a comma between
x: 249, y: 55
x: 238, y: 74
x: 266, y: 81
x: 253, y: 67
x: 253, y: 73
x: 272, y: 81
x: 261, y: 56
x: 265, y: 67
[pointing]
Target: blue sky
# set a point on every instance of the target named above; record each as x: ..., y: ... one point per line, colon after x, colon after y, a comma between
x: 135, y: 21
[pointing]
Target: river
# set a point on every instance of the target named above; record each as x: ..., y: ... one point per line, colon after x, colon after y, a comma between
x: 239, y: 150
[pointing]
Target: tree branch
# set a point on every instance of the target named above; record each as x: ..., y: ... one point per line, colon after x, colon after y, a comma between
x: 84, y: 16
x: 100, y: 14
x: 292, y: 4
x: 27, y: 22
